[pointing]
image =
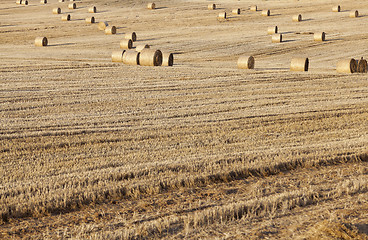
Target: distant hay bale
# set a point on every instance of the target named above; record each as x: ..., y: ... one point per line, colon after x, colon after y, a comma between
x: 151, y: 5
x: 131, y: 57
x: 150, y: 57
x: 72, y: 6
x: 297, y: 18
x: 167, y: 59
x: 109, y: 30
x: 276, y: 38
x: 362, y: 66
x: 346, y: 66
x: 41, y: 41
x: 253, y: 8
x: 19, y: 2
x: 336, y: 8
x: 236, y: 11
x: 92, y: 9
x: 65, y: 17
x: 131, y: 35
x: 222, y: 15
x: 319, y: 36
x: 126, y: 44
x: 354, y: 14
x: 117, y: 56
x: 140, y: 47
x: 24, y: 2
x: 43, y: 1
x: 102, y: 25
x: 245, y: 62
x: 266, y: 13
x: 272, y: 30
x: 90, y: 20
x: 299, y: 64
x: 61, y: 0
x: 56, y: 10
x: 211, y: 6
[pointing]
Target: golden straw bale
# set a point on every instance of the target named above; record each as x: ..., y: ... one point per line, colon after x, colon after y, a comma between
x: 211, y: 6
x: 266, y: 13
x: 117, y: 56
x: 19, y: 2
x: 43, y: 1
x: 65, y: 17
x: 336, y: 8
x: 92, y: 9
x: 253, y: 8
x: 362, y: 66
x: 245, y: 62
x: 90, y: 20
x: 126, y: 44
x: 72, y: 6
x: 56, y: 10
x: 299, y: 64
x: 319, y: 36
x: 131, y: 35
x: 346, y: 66
x: 131, y: 57
x: 167, y: 59
x: 41, y: 41
x: 140, y: 47
x: 276, y: 38
x: 102, y: 25
x: 150, y: 57
x: 61, y: 0
x: 24, y: 2
x: 109, y: 30
x: 272, y: 30
x: 354, y: 14
x: 236, y: 11
x: 297, y: 18
x: 222, y: 15
x: 151, y: 5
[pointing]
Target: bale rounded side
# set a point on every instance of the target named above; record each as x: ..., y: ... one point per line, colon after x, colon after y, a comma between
x: 102, y: 25
x: 236, y: 11
x: 222, y: 15
x: 24, y: 2
x: 254, y: 8
x: 65, y: 17
x: 245, y: 62
x: 131, y: 57
x: 61, y: 0
x: 117, y: 56
x: 41, y: 42
x: 150, y: 57
x: 346, y: 66
x: 90, y: 20
x: 299, y: 64
x: 354, y: 14
x: 266, y: 13
x: 131, y: 35
x: 19, y: 2
x: 336, y: 8
x: 72, y: 5
x: 126, y: 44
x: 297, y: 18
x: 276, y: 38
x: 140, y: 47
x: 92, y: 9
x: 167, y: 59
x: 43, y: 1
x: 109, y: 30
x: 211, y: 6
x: 151, y: 5
x: 319, y: 36
x: 56, y: 10
x: 272, y: 30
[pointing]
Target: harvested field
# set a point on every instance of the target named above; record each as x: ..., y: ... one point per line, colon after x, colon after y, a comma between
x: 91, y: 148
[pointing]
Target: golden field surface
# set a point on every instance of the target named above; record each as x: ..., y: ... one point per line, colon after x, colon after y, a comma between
x: 91, y: 149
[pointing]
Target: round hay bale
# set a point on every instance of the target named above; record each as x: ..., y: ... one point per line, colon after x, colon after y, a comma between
x: 299, y: 64
x: 102, y: 26
x: 72, y: 6
x: 92, y: 9
x: 131, y: 35
x: 253, y: 8
x: 90, y: 20
x: 109, y: 30
x: 61, y: 0
x: 272, y: 30
x: 346, y: 66
x: 167, y: 59
x: 65, y: 17
x: 297, y: 18
x: 236, y: 11
x: 150, y: 57
x: 222, y: 15
x: 336, y: 8
x: 266, y: 13
x: 319, y: 36
x: 131, y: 57
x: 19, y: 2
x: 41, y: 42
x: 43, y: 1
x: 151, y: 5
x: 354, y: 14
x: 276, y: 38
x: 24, y: 2
x: 362, y: 66
x: 117, y: 56
x: 245, y: 62
x: 126, y: 44
x: 140, y: 47
x: 211, y: 6
x: 56, y: 10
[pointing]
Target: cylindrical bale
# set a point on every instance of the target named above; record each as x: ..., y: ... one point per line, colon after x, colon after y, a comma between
x: 117, y: 56
x: 72, y: 6
x: 211, y: 6
x: 102, y: 26
x: 131, y: 57
x: 61, y: 0
x: 297, y: 18
x: 131, y: 35
x: 299, y: 64
x: 362, y: 66
x: 266, y: 13
x: 56, y: 10
x: 319, y: 36
x: 346, y: 66
x: 245, y: 62
x: 90, y: 20
x: 92, y: 9
x: 151, y: 5
x: 65, y: 17
x: 24, y: 2
x: 336, y: 8
x: 43, y: 1
x: 126, y: 44
x: 140, y: 47
x: 222, y: 15
x: 150, y: 57
x: 236, y: 11
x: 109, y: 30
x: 276, y: 38
x: 354, y: 14
x: 253, y: 8
x: 167, y: 59
x: 41, y: 41
x: 19, y: 2
x: 272, y: 30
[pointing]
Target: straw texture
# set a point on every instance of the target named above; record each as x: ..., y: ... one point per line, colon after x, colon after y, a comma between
x: 167, y: 59
x: 131, y: 57
x: 346, y: 66
x: 140, y: 47
x: 109, y: 30
x: 150, y: 57
x: 299, y: 64
x: 117, y: 56
x: 126, y: 44
x: 131, y: 35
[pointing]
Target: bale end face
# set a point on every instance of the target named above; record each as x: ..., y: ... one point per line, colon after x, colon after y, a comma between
x: 41, y: 42
x: 362, y: 66
x: 167, y: 59
x: 151, y: 5
x: 266, y: 13
x: 245, y: 62
x: 109, y: 30
x: 211, y: 6
x: 299, y: 64
x: 346, y: 66
x: 150, y: 57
